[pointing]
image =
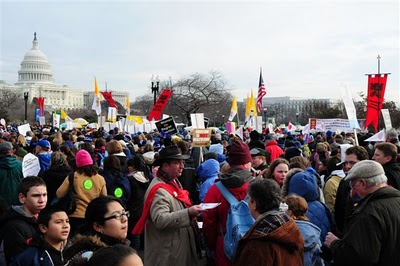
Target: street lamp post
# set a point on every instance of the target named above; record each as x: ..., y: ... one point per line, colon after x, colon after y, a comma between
x: 297, y: 118
x: 155, y: 86
x: 26, y: 95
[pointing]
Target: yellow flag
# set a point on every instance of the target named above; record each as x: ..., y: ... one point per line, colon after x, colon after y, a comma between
x: 253, y: 107
x: 127, y: 106
x: 96, y: 99
x: 138, y: 119
x: 234, y: 109
x: 63, y: 114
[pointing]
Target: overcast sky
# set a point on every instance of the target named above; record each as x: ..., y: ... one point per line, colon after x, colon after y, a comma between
x: 307, y: 49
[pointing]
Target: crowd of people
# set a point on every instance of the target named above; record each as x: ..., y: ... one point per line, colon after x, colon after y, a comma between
x: 330, y: 199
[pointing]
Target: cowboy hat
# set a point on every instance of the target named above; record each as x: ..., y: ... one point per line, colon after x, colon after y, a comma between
x: 170, y: 153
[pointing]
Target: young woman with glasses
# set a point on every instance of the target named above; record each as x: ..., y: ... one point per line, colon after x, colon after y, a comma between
x: 106, y: 225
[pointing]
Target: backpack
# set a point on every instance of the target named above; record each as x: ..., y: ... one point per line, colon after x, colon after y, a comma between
x: 238, y: 222
x: 68, y: 202
x: 120, y: 188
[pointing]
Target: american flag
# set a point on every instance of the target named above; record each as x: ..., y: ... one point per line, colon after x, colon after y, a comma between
x: 262, y: 91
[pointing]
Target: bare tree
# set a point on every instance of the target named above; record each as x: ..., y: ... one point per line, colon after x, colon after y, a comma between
x: 200, y: 93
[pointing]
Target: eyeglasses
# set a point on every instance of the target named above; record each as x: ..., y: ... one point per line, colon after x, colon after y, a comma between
x: 117, y: 216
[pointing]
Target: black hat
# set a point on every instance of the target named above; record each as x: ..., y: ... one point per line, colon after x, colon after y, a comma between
x: 258, y: 151
x: 170, y: 153
x: 254, y: 135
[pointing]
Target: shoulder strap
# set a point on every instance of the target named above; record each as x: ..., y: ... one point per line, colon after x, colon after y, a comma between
x: 225, y: 192
x: 71, y: 180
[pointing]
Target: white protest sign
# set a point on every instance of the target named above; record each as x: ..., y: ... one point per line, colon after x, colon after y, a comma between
x: 197, y: 120
x: 30, y: 165
x: 22, y: 129
x: 386, y: 119
x: 350, y: 108
x: 42, y: 121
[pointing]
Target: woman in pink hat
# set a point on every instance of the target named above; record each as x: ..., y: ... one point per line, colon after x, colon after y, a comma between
x: 87, y: 185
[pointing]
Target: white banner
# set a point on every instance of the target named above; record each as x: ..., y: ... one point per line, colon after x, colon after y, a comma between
x: 386, y: 119
x: 197, y: 120
x: 22, y: 129
x: 350, y: 109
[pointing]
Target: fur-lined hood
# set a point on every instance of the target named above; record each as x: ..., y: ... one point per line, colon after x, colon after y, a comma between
x: 81, y: 244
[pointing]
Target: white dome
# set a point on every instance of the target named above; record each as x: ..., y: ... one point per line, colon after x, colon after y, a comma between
x: 35, y: 67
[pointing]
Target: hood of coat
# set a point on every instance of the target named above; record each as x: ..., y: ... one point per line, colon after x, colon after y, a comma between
x: 236, y: 177
x: 277, y: 227
x: 9, y: 162
x: 310, y: 233
x: 17, y: 213
x: 286, y: 181
x: 304, y: 184
x: 208, y: 169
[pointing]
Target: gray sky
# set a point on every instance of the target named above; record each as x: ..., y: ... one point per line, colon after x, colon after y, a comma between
x: 308, y: 49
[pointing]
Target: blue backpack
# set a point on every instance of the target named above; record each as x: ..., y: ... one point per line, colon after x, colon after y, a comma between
x: 238, y: 222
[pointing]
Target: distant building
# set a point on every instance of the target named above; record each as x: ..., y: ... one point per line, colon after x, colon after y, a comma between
x: 36, y: 78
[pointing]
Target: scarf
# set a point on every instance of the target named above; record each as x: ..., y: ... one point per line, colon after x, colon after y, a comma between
x: 172, y: 188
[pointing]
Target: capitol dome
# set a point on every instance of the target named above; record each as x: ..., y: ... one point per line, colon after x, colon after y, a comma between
x: 35, y: 67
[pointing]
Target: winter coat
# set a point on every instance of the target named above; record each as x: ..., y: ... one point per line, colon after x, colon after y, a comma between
x: 392, y: 172
x: 374, y: 229
x: 208, y: 173
x: 39, y: 253
x: 274, y: 239
x: 54, y: 177
x: 115, y: 180
x: 303, y: 184
x: 10, y: 177
x: 81, y: 244
x: 139, y: 184
x: 214, y: 220
x: 274, y: 150
x: 312, y: 243
x: 169, y: 236
x: 44, y: 161
x: 85, y: 190
x: 17, y: 229
x: 331, y: 187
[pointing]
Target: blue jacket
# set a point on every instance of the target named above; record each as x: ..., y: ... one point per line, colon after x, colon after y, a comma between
x: 304, y: 184
x: 44, y: 160
x: 208, y: 172
x: 312, y: 243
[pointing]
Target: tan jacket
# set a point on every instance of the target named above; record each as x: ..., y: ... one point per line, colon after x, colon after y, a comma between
x: 169, y: 238
x: 86, y: 189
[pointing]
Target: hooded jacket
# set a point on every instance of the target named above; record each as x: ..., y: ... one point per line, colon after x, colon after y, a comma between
x: 274, y: 239
x: 214, y: 220
x: 39, y: 253
x: 10, y: 177
x: 274, y: 150
x: 17, y: 230
x: 54, y: 177
x: 303, y: 183
x: 312, y: 244
x: 208, y: 173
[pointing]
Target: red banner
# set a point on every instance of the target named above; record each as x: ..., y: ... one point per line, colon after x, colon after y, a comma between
x: 40, y: 102
x: 158, y: 108
x: 108, y: 97
x: 376, y: 94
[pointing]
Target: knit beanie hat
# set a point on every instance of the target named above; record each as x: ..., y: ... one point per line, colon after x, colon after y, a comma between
x: 83, y: 158
x: 239, y: 154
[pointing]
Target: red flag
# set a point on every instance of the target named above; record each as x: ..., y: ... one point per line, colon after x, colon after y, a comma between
x: 162, y: 101
x: 108, y: 97
x: 40, y: 102
x: 376, y: 94
x: 262, y: 91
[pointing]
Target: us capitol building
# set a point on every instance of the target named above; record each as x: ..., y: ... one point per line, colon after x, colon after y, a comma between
x: 36, y: 78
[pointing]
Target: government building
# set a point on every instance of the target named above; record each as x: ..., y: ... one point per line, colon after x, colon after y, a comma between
x: 36, y: 78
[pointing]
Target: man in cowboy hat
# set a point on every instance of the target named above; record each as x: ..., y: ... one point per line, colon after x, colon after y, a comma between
x: 168, y: 219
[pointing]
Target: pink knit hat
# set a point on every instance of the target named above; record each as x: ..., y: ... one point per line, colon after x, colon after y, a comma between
x: 239, y: 154
x: 83, y: 158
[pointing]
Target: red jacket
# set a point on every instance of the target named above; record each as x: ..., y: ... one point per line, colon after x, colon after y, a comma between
x: 214, y: 220
x: 274, y: 150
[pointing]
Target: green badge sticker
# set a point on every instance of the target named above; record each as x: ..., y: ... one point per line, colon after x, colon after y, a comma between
x: 88, y: 184
x: 118, y: 192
